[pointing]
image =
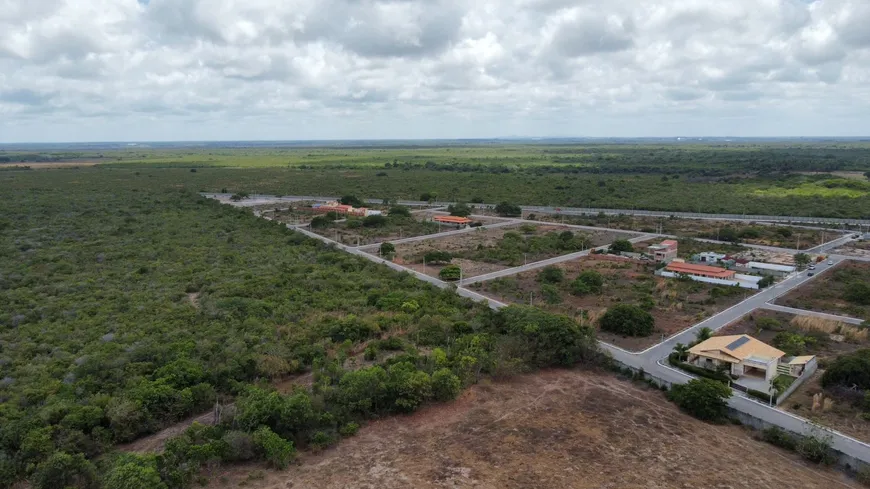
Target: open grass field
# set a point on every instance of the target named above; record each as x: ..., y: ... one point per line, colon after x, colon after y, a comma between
x: 554, y: 430
x: 675, y: 304
x: 844, y: 291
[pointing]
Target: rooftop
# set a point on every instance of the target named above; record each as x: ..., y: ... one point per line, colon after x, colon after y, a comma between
x: 453, y: 219
x: 688, y: 268
x: 770, y: 266
x: 735, y: 348
x: 801, y: 360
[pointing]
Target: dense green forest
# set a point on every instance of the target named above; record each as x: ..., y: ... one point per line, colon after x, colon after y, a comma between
x: 129, y: 302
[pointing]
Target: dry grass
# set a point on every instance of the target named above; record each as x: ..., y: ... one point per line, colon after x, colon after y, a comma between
x: 810, y: 323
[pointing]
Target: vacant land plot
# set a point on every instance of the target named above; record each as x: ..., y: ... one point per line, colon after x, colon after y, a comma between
x: 555, y: 430
x: 800, y: 335
x: 737, y: 232
x: 481, y: 251
x: 842, y: 414
x: 675, y: 304
x: 845, y: 291
x: 860, y: 249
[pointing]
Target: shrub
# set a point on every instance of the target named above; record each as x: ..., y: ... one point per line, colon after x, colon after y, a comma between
x: 849, y: 370
x: 766, y: 281
x: 592, y: 280
x: 445, y: 385
x: 673, y: 359
x: 621, y: 245
x: 551, y: 294
x: 133, y: 474
x: 816, y: 450
x: 506, y: 209
x: 551, y: 275
x: 450, y: 273
x: 320, y: 222
x: 399, y: 211
x: 240, y: 446
x: 546, y: 340
x: 858, y: 293
x: 459, y: 209
x: 703, y: 398
x: 627, y: 320
x: 349, y: 429
x: 387, y: 249
x: 276, y: 450
x: 778, y: 437
x: 374, y: 221
x: 768, y: 323
x: 761, y: 396
x: 352, y: 200
x: 62, y: 470
x: 436, y: 257
x: 408, y: 387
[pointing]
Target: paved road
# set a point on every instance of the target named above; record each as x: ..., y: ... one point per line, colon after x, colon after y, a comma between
x: 650, y: 360
x: 581, y: 210
x: 830, y: 245
x: 542, y: 263
x: 803, y: 312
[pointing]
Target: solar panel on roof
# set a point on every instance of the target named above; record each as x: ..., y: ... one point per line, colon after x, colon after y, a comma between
x: 737, y: 343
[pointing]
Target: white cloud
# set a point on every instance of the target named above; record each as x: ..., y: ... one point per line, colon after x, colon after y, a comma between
x: 300, y: 69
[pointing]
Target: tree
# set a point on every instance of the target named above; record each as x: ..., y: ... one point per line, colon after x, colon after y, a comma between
x: 436, y: 257
x: 320, y: 222
x: 703, y: 334
x: 545, y: 339
x: 506, y: 209
x: 374, y: 221
x: 408, y: 387
x: 63, y: 471
x: 352, y: 200
x: 239, y: 196
x: 682, y: 351
x: 766, y: 281
x: 801, y: 260
x: 445, y: 385
x: 588, y: 282
x: 428, y: 197
x: 133, y: 473
x: 276, y: 450
x: 399, y: 211
x: 728, y: 234
x: 450, y: 273
x: 629, y: 320
x: 705, y: 399
x: 551, y: 275
x: 387, y: 249
x: 459, y: 209
x: 621, y: 245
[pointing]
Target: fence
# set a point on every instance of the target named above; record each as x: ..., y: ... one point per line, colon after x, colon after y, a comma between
x: 809, y: 370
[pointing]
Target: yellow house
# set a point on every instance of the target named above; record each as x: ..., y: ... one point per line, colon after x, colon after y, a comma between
x: 743, y: 354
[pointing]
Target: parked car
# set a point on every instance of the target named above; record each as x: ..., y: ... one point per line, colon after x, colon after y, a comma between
x: 830, y: 262
x: 810, y: 274
x: 812, y: 267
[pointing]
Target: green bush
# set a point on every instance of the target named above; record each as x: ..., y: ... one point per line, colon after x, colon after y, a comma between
x: 374, y: 221
x: 779, y: 437
x: 761, y: 396
x: 620, y: 246
x: 459, y: 209
x: 450, y: 273
x: 589, y: 281
x: 506, y: 209
x: 62, y: 470
x: 673, y: 359
x: 399, y: 211
x: 816, y: 450
x: 703, y: 398
x: 551, y: 294
x: 628, y: 320
x: 551, y: 275
x: 858, y: 293
x: 848, y: 370
x: 437, y: 257
x: 445, y: 385
x: 274, y: 449
x: 387, y: 249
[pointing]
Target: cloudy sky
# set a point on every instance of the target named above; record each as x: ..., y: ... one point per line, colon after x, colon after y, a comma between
x: 106, y: 70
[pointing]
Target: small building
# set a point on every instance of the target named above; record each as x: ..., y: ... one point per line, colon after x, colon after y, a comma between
x: 705, y: 271
x: 711, y: 257
x: 742, y: 354
x: 454, y: 220
x: 664, y: 251
x: 796, y: 366
x: 769, y: 269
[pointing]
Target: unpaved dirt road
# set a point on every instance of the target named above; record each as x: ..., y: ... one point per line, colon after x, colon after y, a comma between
x: 555, y: 429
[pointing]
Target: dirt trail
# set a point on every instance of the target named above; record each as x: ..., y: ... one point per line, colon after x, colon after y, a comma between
x: 555, y: 429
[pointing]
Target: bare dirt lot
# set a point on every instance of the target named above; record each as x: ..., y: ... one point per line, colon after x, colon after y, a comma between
x: 675, y: 305
x: 829, y: 292
x: 860, y: 249
x: 482, y: 251
x: 553, y: 430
